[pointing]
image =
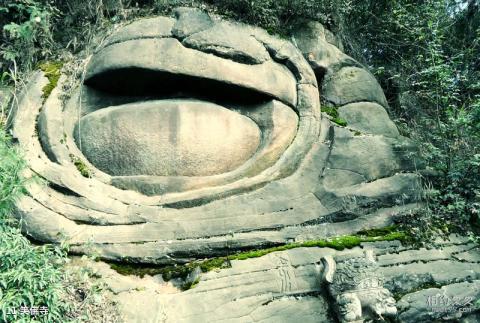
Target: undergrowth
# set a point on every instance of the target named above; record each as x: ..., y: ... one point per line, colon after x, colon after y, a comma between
x: 33, y: 279
x: 30, y: 276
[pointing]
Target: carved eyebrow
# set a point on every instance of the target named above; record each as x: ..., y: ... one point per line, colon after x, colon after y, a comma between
x: 168, y: 57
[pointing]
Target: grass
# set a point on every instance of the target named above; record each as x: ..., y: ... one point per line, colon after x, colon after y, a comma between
x: 333, y: 112
x: 182, y: 271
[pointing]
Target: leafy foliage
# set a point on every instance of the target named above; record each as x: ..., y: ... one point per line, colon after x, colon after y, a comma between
x: 276, y: 15
x: 36, y: 276
x: 26, y: 33
x: 11, y: 181
x: 29, y: 275
x: 425, y: 54
x: 333, y: 112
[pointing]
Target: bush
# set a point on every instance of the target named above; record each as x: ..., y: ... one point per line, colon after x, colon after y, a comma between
x: 27, y: 33
x: 30, y: 276
x: 11, y: 181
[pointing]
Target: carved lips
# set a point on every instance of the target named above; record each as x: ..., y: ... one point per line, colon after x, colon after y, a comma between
x: 167, y: 112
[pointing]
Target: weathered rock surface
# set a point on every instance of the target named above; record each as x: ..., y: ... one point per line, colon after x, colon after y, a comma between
x: 195, y: 137
x: 449, y: 302
x: 321, y: 48
x: 368, y: 118
x: 190, y: 21
x: 355, y: 154
x: 225, y: 40
x: 157, y: 27
x: 350, y: 85
x: 168, y: 61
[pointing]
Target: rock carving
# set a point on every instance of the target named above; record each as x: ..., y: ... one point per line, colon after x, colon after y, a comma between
x: 356, y: 286
x: 188, y: 127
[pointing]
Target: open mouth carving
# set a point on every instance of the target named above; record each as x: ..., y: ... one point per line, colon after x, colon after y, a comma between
x: 185, y: 120
x: 180, y: 123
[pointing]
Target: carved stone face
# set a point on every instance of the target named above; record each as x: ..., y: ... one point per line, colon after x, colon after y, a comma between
x: 191, y: 136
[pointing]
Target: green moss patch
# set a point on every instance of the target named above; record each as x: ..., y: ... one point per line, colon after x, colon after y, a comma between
x: 135, y: 269
x: 333, y: 112
x: 63, y: 140
x: 189, y: 285
x: 337, y: 243
x: 182, y: 271
x: 81, y: 166
x: 171, y: 272
x: 379, y: 231
x: 52, y: 71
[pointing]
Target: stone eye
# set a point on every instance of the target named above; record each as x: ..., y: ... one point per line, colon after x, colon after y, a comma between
x: 182, y: 117
x: 167, y: 138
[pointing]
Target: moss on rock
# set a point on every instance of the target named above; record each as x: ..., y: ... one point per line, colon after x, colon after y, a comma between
x: 81, y: 166
x: 52, y: 71
x: 182, y: 271
x: 333, y: 112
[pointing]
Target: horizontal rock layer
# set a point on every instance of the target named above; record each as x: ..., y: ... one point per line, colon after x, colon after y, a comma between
x: 286, y: 286
x: 170, y: 56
